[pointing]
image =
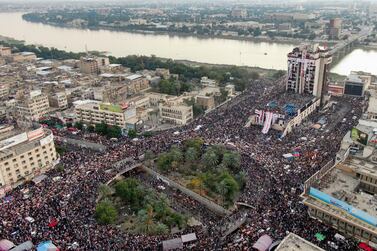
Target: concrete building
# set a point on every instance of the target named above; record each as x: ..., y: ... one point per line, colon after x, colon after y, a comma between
x: 178, y: 114
x: 22, y: 57
x: 308, y: 69
x: 93, y: 112
x: 24, y: 155
x: 343, y: 193
x: 356, y: 85
x: 293, y: 242
x: 136, y: 83
x: 89, y: 65
x: 334, y: 28
x: 163, y: 73
x: 5, y: 51
x: 58, y: 100
x: 238, y: 13
x: 32, y: 106
x: 208, y: 102
x: 205, y: 81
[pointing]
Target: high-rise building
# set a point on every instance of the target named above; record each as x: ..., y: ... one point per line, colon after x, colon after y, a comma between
x: 308, y: 67
x: 334, y: 28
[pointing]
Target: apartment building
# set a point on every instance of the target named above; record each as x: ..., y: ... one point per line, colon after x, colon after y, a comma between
x: 178, y: 114
x: 308, y: 68
x: 136, y: 83
x: 32, y: 106
x: 58, y: 100
x: 93, y: 65
x: 22, y: 57
x: 93, y: 112
x: 24, y: 154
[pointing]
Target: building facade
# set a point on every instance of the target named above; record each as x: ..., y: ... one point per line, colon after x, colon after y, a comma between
x: 33, y: 106
x: 308, y: 69
x: 176, y: 114
x: 25, y: 154
x: 111, y: 114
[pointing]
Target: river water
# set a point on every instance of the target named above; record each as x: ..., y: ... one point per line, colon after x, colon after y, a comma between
x: 206, y: 50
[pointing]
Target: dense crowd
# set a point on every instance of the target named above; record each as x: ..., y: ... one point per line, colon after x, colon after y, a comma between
x: 272, y: 188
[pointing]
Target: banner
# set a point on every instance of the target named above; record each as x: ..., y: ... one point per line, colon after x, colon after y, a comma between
x: 359, y: 136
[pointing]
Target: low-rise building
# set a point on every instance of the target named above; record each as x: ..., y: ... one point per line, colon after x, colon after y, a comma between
x: 32, y: 106
x: 4, y: 90
x: 371, y: 112
x: 22, y: 57
x: 136, y: 83
x: 5, y: 51
x: 24, y: 155
x: 293, y: 242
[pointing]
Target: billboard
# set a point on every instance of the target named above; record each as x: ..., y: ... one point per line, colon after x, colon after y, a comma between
x: 359, y: 136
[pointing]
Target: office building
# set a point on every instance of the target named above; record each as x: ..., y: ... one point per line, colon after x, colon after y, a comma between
x: 308, y: 68
x: 334, y: 28
x: 24, y: 154
x: 32, y: 106
x: 93, y: 112
x: 178, y: 114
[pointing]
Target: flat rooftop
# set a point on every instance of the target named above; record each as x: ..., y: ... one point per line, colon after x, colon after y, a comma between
x: 341, y: 183
x: 280, y: 101
x: 372, y: 107
x: 293, y: 242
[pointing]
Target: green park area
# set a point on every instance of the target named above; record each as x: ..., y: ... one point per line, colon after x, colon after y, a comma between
x: 211, y: 171
x: 137, y: 209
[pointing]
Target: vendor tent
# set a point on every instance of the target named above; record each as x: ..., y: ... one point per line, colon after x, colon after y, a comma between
x: 47, y: 246
x: 6, y: 245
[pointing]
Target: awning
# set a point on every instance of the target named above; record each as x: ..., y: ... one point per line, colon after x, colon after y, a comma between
x: 28, y: 245
x: 6, y: 245
x: 39, y: 178
x: 188, y: 237
x: 47, y: 246
x: 171, y: 244
x: 263, y: 243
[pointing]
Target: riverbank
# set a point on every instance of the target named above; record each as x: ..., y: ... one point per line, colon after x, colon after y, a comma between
x: 264, y: 39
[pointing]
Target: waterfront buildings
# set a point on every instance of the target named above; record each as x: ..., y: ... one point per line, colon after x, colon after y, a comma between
x: 334, y: 28
x: 24, y: 154
x: 308, y: 68
x: 93, y: 65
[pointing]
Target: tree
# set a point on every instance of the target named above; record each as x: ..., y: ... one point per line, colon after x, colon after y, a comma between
x: 79, y: 125
x: 227, y: 187
x: 164, y: 162
x: 210, y: 158
x: 231, y: 160
x: 175, y: 154
x: 101, y: 128
x: 254, y: 75
x: 91, y: 128
x: 130, y: 191
x: 106, y: 212
x: 114, y: 132
x: 196, y: 143
x: 149, y: 156
x: 132, y: 133
x: 191, y: 154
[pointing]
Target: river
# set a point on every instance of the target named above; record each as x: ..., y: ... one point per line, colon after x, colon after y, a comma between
x: 206, y: 50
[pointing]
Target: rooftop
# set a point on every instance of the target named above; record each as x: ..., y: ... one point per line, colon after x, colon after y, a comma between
x: 134, y: 76
x: 284, y: 100
x: 293, y: 242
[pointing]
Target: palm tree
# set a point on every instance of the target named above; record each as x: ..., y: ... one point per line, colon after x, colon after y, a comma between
x: 191, y: 154
x: 210, y: 159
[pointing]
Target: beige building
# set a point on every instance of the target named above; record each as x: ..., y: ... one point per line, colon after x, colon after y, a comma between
x: 293, y: 242
x: 163, y: 73
x: 24, y: 155
x: 32, y: 106
x: 136, y: 83
x: 22, y: 57
x: 308, y: 67
x: 93, y: 112
x: 5, y: 51
x: 371, y: 112
x: 58, y: 100
x: 179, y: 114
x: 89, y: 65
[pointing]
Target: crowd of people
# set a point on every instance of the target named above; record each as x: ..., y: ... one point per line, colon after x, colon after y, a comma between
x: 272, y: 187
